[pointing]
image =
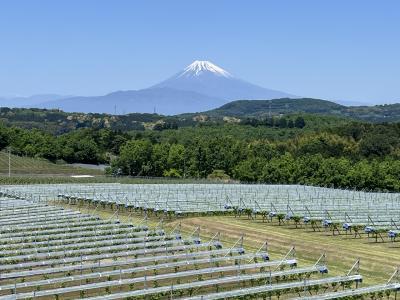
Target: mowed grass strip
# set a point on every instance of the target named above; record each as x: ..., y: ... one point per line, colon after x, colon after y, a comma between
x: 28, y: 165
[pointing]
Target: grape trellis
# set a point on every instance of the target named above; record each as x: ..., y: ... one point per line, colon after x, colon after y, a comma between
x: 51, y: 252
x: 358, y: 212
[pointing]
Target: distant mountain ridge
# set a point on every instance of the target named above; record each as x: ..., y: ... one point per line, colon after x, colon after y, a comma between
x: 29, y: 101
x: 199, y: 87
x: 277, y: 106
x: 263, y: 108
x: 158, y: 100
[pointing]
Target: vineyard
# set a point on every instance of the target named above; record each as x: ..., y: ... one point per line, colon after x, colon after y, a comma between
x: 48, y: 252
x: 374, y: 215
x: 52, y: 252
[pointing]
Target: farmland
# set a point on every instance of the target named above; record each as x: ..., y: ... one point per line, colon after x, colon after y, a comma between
x: 36, y: 166
x: 214, y: 242
x: 266, y: 166
x: 336, y: 210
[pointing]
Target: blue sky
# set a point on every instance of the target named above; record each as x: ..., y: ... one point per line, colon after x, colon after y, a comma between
x: 347, y: 50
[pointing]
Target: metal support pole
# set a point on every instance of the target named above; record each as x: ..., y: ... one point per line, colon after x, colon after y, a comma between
x: 9, y: 162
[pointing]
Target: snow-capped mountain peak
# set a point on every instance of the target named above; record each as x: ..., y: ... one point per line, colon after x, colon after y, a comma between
x: 199, y: 67
x: 205, y: 78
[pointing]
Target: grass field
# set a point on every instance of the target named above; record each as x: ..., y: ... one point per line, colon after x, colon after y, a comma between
x: 35, y: 166
x: 378, y: 260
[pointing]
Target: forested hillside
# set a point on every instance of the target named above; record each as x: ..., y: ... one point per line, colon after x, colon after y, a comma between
x: 307, y: 141
x: 257, y: 108
x: 58, y: 122
x: 318, y: 112
x: 349, y: 154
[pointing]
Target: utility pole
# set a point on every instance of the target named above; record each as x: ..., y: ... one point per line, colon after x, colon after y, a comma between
x: 9, y: 162
x: 269, y: 110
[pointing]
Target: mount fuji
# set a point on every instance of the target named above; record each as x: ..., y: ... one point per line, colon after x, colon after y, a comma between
x: 199, y: 87
x: 206, y: 78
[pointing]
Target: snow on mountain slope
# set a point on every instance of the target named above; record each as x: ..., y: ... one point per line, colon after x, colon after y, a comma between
x: 199, y: 67
x: 206, y: 78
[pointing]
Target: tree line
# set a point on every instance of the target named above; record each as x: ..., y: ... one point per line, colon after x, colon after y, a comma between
x: 281, y: 122
x: 353, y: 155
x: 362, y: 156
x: 79, y: 146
